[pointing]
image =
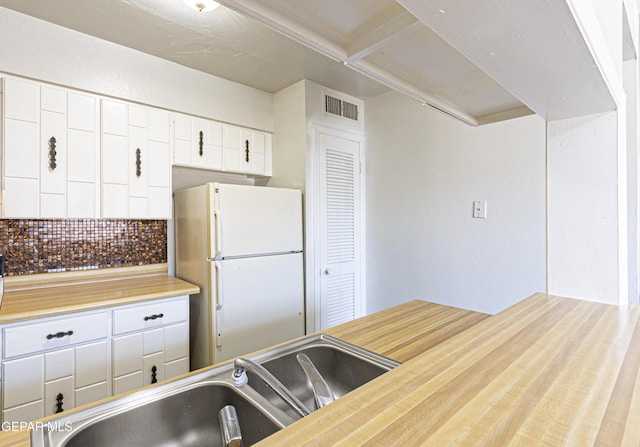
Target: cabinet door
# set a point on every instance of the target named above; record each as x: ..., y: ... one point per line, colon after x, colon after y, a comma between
x: 213, y: 148
x: 247, y: 151
x: 176, y: 368
x: 157, y: 163
x: 23, y: 381
x: 136, y: 161
x: 91, y: 364
x: 257, y: 153
x: 128, y: 382
x: 59, y: 395
x: 127, y: 354
x: 82, y: 156
x: 63, y: 161
x: 27, y: 412
x: 59, y: 364
x: 91, y: 393
x: 20, y: 146
x: 53, y: 141
x: 232, y: 148
x: 53, y: 164
x: 182, y: 139
x: 176, y: 342
x: 138, y: 167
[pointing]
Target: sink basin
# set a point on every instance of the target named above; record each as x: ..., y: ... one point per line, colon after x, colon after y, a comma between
x: 185, y: 411
x: 343, y: 366
x: 189, y: 418
x: 186, y: 416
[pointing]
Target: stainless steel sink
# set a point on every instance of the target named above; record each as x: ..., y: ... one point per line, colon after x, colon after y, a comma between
x: 343, y: 366
x: 185, y: 411
x: 189, y: 418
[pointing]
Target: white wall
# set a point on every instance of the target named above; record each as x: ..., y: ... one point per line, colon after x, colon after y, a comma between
x: 630, y: 69
x: 583, y: 208
x: 290, y: 138
x: 424, y: 170
x: 34, y: 48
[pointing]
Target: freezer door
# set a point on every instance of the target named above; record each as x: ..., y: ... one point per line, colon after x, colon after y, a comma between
x: 254, y: 220
x: 261, y: 303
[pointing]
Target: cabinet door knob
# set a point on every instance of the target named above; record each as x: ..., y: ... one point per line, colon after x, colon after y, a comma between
x: 138, y: 162
x: 52, y: 153
x: 201, y: 143
x: 246, y: 151
x: 59, y: 398
x: 154, y: 372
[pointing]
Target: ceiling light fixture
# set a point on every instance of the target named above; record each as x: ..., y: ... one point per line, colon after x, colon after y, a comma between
x: 202, y: 5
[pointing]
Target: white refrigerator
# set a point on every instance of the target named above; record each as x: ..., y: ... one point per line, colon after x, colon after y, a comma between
x: 242, y: 245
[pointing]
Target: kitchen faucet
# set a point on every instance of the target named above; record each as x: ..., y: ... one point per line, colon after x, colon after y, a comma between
x: 240, y: 379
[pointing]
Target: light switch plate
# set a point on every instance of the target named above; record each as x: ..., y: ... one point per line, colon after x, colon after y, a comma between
x: 480, y: 209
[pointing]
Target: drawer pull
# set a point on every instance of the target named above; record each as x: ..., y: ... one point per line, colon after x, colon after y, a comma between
x: 201, y: 144
x: 52, y: 153
x: 59, y: 335
x: 59, y: 398
x: 154, y: 372
x: 246, y: 151
x: 153, y: 317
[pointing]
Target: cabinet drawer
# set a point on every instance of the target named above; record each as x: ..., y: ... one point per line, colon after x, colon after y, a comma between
x: 149, y: 316
x: 52, y: 334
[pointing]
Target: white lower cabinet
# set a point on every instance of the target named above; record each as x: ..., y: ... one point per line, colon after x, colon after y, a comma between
x: 44, y: 384
x: 54, y: 364
x: 154, y: 344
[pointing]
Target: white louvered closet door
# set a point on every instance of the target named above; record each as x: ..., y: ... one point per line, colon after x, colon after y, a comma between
x: 339, y: 225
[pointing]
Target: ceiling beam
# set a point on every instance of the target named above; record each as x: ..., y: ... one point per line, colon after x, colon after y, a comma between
x: 290, y: 28
x: 398, y: 84
x: 383, y: 34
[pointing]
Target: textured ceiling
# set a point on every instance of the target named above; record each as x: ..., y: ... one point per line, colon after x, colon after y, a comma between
x: 223, y: 42
x: 360, y: 47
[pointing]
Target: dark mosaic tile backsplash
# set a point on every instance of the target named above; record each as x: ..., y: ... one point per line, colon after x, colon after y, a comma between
x: 43, y: 246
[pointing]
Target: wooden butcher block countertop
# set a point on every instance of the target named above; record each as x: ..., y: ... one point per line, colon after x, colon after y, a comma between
x: 52, y: 294
x: 548, y: 371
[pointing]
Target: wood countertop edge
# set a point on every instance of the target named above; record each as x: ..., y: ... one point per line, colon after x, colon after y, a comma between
x: 98, y: 290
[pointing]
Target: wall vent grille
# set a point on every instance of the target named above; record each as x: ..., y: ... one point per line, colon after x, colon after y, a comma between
x: 340, y: 107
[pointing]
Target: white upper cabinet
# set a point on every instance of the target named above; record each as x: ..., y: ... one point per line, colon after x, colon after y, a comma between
x: 208, y: 144
x: 50, y: 147
x: 68, y: 154
x: 247, y: 151
x: 136, y: 161
x: 197, y: 143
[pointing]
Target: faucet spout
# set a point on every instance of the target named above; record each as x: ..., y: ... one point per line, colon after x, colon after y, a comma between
x: 242, y: 365
x: 322, y: 393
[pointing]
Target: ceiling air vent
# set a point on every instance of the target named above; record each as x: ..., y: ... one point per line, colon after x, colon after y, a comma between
x: 339, y: 107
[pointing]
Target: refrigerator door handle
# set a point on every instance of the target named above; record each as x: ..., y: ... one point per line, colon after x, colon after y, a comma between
x: 218, y: 266
x: 218, y: 233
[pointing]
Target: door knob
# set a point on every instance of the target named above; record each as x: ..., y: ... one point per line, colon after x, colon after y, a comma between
x: 328, y: 271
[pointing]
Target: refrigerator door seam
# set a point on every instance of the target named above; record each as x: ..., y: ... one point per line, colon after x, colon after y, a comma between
x: 257, y: 255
